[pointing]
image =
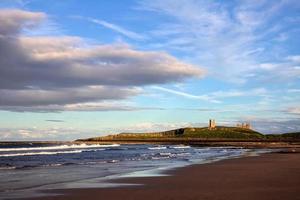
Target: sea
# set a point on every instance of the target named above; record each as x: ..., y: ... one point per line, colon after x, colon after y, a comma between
x: 30, y: 169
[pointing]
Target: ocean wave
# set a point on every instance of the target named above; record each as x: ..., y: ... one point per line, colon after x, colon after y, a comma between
x: 160, y: 158
x: 181, y: 147
x: 53, y: 165
x: 165, y: 154
x: 183, y: 154
x: 73, y: 146
x: 40, y: 153
x: 113, y: 161
x: 7, y: 167
x: 157, y: 148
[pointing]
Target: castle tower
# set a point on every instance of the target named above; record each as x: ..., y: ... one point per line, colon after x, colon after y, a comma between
x: 212, y: 124
x: 244, y: 125
x: 248, y: 126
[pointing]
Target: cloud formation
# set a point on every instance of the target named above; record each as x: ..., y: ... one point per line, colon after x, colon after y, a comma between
x: 116, y: 28
x: 215, y: 97
x: 55, y: 120
x: 276, y: 126
x: 61, y: 70
x: 13, y: 21
x: 116, y: 105
x: 231, y: 39
x: 37, y: 97
x: 294, y: 110
x: 29, y: 134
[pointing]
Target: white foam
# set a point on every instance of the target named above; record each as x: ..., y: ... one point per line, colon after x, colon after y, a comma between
x: 73, y: 146
x: 40, y: 153
x: 181, y: 147
x: 165, y: 154
x: 6, y: 168
x: 156, y: 148
x: 160, y: 158
x: 183, y: 154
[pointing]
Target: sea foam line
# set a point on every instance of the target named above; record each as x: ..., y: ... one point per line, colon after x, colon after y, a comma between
x: 157, y: 148
x: 73, y: 146
x: 181, y: 147
x: 40, y: 153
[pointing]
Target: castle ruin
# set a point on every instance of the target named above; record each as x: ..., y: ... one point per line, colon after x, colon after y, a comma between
x: 244, y: 125
x: 212, y: 124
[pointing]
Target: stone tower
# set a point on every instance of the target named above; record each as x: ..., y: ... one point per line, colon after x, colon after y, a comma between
x: 212, y: 124
x: 244, y: 125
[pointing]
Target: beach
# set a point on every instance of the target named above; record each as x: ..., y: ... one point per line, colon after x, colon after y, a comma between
x: 268, y: 176
x: 149, y: 100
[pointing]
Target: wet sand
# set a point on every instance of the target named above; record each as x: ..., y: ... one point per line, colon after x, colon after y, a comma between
x: 269, y: 177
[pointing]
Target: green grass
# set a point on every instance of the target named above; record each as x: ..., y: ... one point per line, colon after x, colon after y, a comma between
x: 222, y: 132
x: 295, y: 135
x: 219, y: 132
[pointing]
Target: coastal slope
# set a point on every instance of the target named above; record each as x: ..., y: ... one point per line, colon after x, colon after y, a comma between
x: 219, y: 132
x: 217, y: 136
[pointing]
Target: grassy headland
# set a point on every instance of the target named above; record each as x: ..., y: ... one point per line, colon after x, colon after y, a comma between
x: 219, y: 132
x: 295, y: 135
x: 218, y: 136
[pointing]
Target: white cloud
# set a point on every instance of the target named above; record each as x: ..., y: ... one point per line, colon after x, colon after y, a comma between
x: 186, y: 95
x: 293, y: 90
x: 294, y: 58
x: 293, y: 110
x: 231, y: 40
x: 154, y: 127
x: 61, y: 70
x: 38, y: 97
x: 114, y: 27
x: 36, y: 134
x: 86, y: 106
x: 215, y: 97
x: 268, y: 126
x: 269, y: 66
x: 13, y: 21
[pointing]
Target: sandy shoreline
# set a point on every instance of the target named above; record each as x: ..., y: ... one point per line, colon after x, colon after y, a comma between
x: 269, y: 176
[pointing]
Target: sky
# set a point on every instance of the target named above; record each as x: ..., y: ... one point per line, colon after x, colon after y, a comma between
x: 76, y: 69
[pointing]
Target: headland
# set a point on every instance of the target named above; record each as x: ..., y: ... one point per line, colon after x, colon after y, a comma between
x: 241, y: 135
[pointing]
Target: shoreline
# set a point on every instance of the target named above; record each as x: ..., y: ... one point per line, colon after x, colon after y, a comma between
x: 265, y: 176
x: 250, y: 144
x: 254, y: 143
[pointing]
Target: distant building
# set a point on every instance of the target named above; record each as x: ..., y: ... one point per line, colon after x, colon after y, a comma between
x: 212, y: 124
x: 244, y: 125
x: 248, y: 126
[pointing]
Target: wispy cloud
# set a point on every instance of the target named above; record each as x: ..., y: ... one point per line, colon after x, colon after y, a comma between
x: 55, y: 120
x: 186, y: 95
x: 275, y: 126
x: 231, y: 40
x: 215, y: 97
x: 294, y: 58
x: 35, y: 134
x: 21, y: 3
x: 114, y: 27
x: 294, y: 90
x: 155, y: 127
x: 293, y: 110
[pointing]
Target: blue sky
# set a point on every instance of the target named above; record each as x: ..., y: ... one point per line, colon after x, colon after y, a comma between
x: 71, y: 69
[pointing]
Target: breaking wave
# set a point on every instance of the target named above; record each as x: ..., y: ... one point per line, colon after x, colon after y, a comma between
x: 73, y: 146
x: 40, y: 153
x: 157, y: 148
x: 181, y: 147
